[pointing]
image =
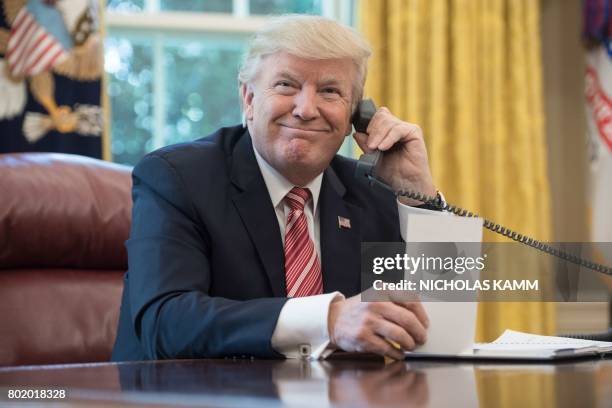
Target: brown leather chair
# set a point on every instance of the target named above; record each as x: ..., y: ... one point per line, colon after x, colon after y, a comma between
x: 63, y: 223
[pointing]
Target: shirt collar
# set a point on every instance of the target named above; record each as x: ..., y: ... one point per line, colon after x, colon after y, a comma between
x: 278, y: 186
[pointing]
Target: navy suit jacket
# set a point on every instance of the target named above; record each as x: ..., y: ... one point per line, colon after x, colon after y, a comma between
x: 205, y: 256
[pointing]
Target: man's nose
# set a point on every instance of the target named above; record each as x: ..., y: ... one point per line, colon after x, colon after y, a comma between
x: 305, y: 104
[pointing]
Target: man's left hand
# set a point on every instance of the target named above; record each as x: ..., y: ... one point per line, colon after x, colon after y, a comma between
x: 403, y: 164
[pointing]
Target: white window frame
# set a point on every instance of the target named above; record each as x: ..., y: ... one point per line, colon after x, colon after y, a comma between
x: 160, y: 25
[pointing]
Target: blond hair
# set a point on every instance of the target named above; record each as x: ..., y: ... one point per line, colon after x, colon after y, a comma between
x: 310, y: 37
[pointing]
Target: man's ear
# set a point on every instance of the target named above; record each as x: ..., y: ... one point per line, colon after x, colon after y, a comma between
x: 247, y: 101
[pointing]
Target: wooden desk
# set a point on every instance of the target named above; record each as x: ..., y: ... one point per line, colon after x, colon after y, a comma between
x: 264, y: 383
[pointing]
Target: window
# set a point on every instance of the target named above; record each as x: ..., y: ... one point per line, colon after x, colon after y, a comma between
x: 172, y: 65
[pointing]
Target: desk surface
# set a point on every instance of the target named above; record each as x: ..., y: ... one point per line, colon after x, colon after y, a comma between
x: 364, y: 382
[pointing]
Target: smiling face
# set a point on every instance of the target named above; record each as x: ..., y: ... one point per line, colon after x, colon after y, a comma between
x: 298, y: 112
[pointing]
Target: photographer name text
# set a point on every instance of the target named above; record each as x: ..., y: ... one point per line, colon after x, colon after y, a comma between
x: 433, y: 285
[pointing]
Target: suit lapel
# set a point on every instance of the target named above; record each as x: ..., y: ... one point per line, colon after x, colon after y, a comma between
x: 252, y: 201
x: 340, y: 246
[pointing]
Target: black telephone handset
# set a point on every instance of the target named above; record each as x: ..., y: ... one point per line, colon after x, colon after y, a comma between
x: 366, y: 168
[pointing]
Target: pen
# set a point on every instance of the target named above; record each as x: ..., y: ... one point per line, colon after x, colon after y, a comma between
x: 396, y: 346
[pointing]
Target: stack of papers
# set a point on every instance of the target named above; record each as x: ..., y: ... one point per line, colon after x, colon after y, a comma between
x: 524, y: 345
x: 515, y: 345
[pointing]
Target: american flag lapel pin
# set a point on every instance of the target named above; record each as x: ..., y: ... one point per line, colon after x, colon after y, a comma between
x: 344, y: 223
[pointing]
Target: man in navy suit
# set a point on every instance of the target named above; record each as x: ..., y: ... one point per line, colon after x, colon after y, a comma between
x: 247, y: 242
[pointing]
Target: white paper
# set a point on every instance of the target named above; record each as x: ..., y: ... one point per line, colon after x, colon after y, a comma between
x: 435, y: 226
x: 517, y: 345
x: 515, y: 340
x: 452, y: 325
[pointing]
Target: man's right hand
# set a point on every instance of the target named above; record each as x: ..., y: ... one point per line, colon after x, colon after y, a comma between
x: 372, y: 326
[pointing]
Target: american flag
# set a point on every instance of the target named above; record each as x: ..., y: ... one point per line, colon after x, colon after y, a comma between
x: 39, y: 39
x: 344, y: 222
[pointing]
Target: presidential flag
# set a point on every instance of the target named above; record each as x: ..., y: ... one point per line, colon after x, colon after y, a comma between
x: 597, y: 33
x: 50, y: 76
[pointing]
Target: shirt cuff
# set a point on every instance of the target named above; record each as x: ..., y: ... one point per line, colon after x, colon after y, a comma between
x: 301, y: 330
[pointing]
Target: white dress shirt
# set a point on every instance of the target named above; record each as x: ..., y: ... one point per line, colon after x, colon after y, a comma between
x: 301, y: 330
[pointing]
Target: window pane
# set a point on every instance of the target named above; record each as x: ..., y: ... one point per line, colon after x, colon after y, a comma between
x: 202, y: 90
x: 285, y: 6
x: 125, y: 5
x: 130, y: 92
x: 220, y: 6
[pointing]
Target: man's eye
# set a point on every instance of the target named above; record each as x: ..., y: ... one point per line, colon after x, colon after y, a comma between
x: 284, y: 84
x: 331, y: 91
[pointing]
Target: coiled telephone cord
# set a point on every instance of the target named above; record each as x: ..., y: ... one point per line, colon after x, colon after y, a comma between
x: 507, y: 232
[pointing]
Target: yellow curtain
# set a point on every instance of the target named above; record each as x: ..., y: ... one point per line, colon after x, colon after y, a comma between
x: 469, y: 73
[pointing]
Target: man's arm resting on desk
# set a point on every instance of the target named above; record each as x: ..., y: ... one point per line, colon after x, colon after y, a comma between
x: 308, y: 323
x: 169, y: 279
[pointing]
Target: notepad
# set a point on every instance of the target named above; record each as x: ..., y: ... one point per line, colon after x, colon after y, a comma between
x: 515, y: 345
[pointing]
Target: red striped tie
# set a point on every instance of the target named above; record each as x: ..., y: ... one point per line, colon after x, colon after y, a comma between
x: 302, y: 268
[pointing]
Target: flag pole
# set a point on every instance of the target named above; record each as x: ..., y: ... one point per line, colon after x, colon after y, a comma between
x: 104, y: 100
